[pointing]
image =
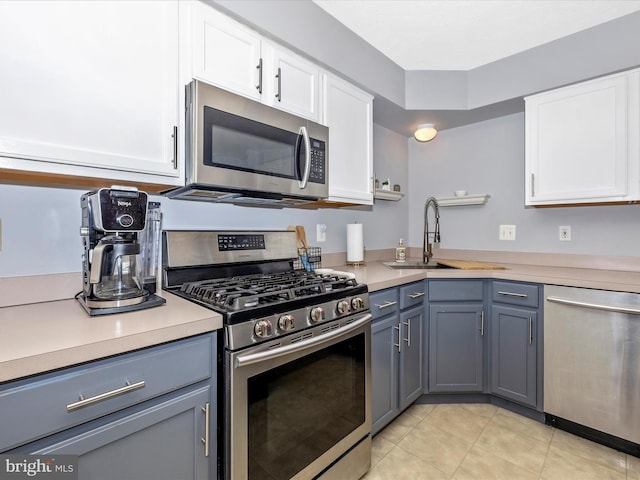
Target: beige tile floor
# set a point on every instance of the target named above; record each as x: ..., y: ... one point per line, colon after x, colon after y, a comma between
x: 485, y: 442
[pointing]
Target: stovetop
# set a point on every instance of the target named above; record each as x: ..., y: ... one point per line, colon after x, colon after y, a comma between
x: 248, y: 277
x: 248, y: 291
x: 244, y: 297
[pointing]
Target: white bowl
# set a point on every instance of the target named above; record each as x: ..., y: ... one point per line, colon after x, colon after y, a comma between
x: 460, y: 193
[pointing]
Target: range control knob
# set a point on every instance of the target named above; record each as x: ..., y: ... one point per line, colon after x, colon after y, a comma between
x: 285, y: 322
x: 357, y: 303
x: 263, y: 329
x: 343, y: 307
x: 316, y: 314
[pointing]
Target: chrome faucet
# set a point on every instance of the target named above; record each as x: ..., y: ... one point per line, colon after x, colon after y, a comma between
x: 427, y: 247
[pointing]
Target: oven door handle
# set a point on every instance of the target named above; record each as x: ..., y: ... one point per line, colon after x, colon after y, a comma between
x: 251, y: 358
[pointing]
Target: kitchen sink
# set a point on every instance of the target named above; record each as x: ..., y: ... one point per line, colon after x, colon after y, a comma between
x: 414, y: 265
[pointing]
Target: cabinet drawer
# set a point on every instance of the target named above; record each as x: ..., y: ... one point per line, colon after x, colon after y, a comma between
x: 384, y: 302
x: 42, y: 405
x: 514, y: 293
x: 455, y: 290
x: 412, y: 294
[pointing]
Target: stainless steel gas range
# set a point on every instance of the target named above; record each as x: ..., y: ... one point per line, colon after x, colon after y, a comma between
x: 294, y: 378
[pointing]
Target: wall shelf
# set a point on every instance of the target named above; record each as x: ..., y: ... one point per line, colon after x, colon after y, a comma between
x: 466, y: 200
x: 387, y: 195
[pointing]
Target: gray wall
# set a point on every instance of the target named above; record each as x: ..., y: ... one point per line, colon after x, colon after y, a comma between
x: 488, y: 157
x: 593, y: 52
x: 40, y: 226
x: 309, y: 30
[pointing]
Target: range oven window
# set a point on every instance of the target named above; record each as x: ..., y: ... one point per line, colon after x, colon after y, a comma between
x: 299, y: 410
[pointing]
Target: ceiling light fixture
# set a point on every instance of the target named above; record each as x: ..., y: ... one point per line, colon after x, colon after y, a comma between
x: 425, y: 132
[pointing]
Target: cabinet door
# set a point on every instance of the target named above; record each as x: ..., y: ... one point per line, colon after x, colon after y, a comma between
x: 411, y: 356
x: 456, y: 347
x: 577, y: 142
x: 384, y: 371
x: 162, y: 441
x: 89, y: 84
x: 294, y: 83
x: 513, y: 353
x: 348, y: 112
x: 226, y: 53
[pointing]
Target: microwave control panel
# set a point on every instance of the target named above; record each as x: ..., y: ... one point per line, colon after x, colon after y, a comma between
x: 318, y: 171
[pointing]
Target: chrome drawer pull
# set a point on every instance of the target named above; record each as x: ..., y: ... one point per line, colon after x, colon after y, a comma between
x: 386, y: 305
x: 259, y: 67
x: 416, y: 295
x: 207, y: 419
x: 279, y: 77
x: 83, y: 402
x: 174, y: 135
x: 511, y: 294
x: 408, y: 339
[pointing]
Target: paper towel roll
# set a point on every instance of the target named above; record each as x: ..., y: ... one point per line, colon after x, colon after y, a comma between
x: 355, y: 242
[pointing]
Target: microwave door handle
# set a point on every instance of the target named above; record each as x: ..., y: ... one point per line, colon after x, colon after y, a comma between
x: 307, y: 157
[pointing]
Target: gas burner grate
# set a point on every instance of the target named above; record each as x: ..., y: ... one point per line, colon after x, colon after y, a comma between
x: 249, y: 291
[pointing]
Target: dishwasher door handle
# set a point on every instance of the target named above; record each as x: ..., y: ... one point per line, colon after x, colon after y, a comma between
x: 595, y: 306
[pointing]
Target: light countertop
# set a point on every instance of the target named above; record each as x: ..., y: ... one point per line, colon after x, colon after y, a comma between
x: 43, y: 336
x: 51, y: 334
x: 379, y: 276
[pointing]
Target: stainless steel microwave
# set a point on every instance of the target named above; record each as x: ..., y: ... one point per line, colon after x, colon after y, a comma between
x: 241, y: 151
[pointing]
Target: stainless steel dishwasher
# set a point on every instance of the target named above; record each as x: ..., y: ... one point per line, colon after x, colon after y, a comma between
x: 592, y: 364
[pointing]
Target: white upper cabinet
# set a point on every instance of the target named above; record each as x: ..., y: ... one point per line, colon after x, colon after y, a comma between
x: 348, y: 112
x: 229, y: 55
x: 582, y: 142
x: 90, y: 89
x: 225, y: 53
x: 294, y: 82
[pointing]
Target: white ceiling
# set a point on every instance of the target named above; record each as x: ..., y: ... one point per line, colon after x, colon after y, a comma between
x: 465, y: 34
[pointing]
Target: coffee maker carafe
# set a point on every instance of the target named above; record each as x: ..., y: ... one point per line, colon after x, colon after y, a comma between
x: 116, y: 241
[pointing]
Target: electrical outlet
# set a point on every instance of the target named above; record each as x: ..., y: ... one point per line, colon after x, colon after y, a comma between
x: 0, y: 234
x: 321, y: 232
x: 507, y: 232
x: 564, y: 233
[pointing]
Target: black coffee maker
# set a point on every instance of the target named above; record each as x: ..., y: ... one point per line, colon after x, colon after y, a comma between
x: 120, y: 234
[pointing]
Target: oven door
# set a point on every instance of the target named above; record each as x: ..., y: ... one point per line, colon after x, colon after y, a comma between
x: 294, y: 410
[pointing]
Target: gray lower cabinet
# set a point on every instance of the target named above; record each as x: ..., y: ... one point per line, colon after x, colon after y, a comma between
x: 159, y: 441
x: 456, y: 336
x: 144, y: 415
x: 397, y: 355
x: 411, y: 355
x: 515, y: 342
x: 384, y: 371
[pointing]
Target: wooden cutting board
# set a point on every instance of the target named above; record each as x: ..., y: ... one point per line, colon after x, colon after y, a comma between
x: 469, y: 265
